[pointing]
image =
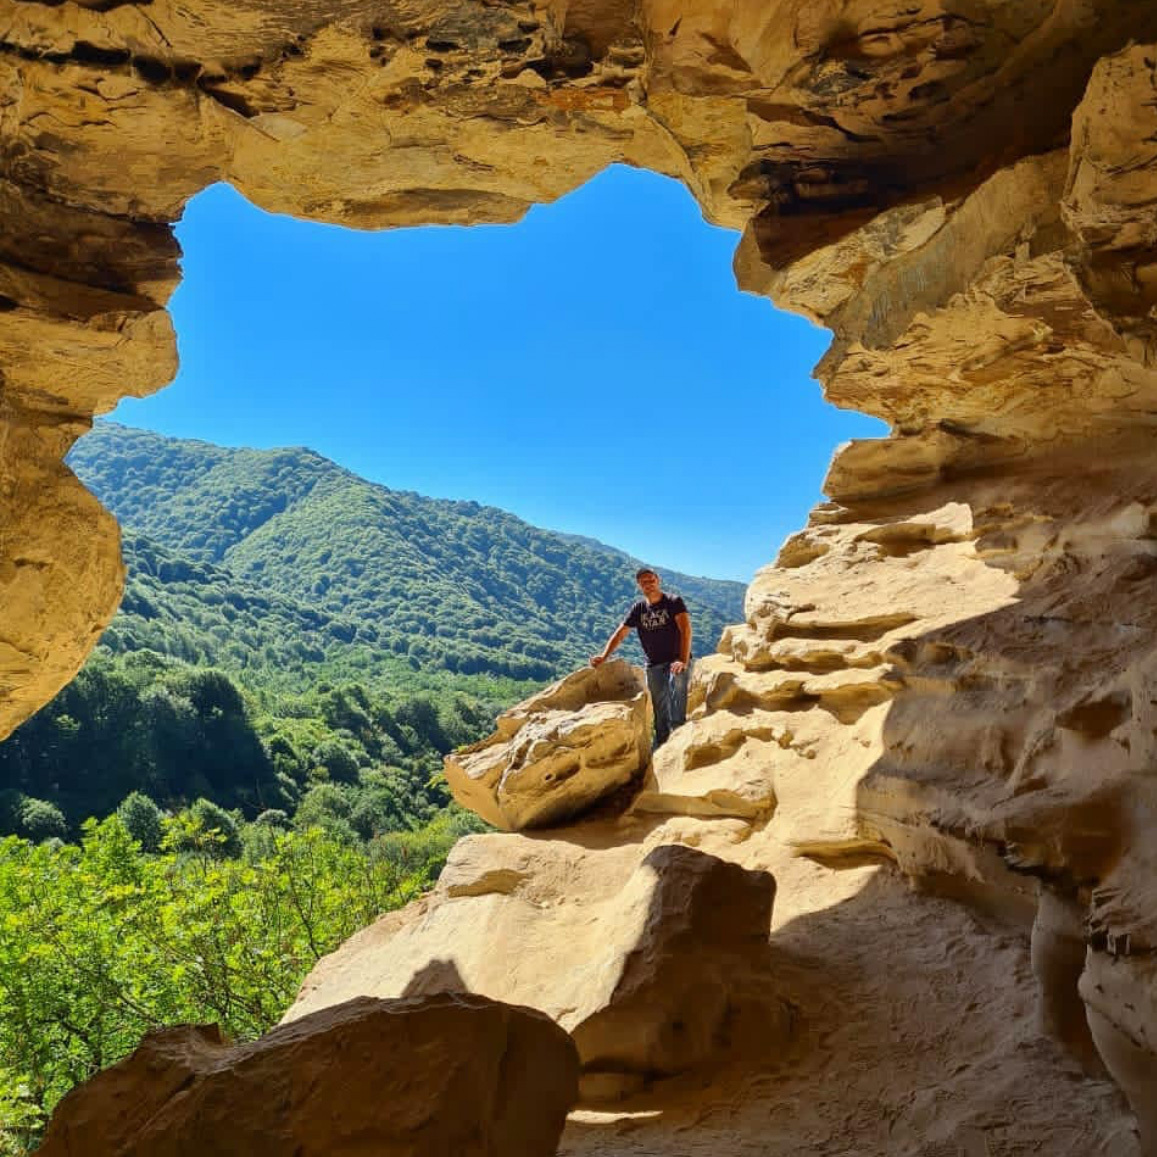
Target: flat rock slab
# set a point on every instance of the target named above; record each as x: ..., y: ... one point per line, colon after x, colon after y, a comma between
x: 431, y: 1076
x: 555, y: 754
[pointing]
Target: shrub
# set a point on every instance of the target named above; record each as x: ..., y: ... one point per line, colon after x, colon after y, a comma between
x: 143, y: 820
x: 215, y: 819
x: 324, y: 801
x: 41, y: 820
x: 336, y: 757
x: 205, y: 827
x: 377, y: 811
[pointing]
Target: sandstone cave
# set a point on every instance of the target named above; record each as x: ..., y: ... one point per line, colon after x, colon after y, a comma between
x: 922, y: 761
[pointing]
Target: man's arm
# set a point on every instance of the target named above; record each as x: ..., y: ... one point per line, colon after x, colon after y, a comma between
x: 683, y: 622
x: 612, y: 643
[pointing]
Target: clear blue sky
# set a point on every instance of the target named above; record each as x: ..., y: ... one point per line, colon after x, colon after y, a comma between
x: 592, y: 369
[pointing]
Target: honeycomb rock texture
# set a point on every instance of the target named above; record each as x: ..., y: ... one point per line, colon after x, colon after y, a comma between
x: 558, y: 752
x: 951, y: 670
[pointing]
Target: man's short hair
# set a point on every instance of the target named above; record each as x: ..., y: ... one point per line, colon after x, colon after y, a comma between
x: 642, y: 571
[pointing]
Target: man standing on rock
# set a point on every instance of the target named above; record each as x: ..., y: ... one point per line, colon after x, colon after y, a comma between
x: 665, y: 632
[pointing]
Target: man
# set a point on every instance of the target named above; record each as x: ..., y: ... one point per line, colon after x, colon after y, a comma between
x: 665, y: 632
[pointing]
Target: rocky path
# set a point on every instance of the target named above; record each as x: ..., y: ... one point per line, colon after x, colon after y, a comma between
x: 916, y: 1038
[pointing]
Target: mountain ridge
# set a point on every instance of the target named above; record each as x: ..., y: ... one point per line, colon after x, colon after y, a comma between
x: 451, y: 583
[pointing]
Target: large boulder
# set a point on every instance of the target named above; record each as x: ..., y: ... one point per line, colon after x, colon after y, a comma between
x: 435, y: 1076
x: 652, y: 953
x: 686, y: 964
x: 558, y: 752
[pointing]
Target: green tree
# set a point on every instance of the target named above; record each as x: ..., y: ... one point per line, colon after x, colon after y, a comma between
x: 376, y: 809
x: 41, y: 820
x: 143, y: 820
x: 205, y: 827
x: 329, y: 807
x: 338, y: 759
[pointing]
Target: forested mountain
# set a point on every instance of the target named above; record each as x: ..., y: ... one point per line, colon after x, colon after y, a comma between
x: 289, y: 552
x: 294, y: 638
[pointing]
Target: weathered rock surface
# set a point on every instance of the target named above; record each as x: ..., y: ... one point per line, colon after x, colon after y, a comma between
x: 952, y: 667
x: 653, y: 954
x: 435, y: 1076
x: 878, y: 1020
x: 558, y: 752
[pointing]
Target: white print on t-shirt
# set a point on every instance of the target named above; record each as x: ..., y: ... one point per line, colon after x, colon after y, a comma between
x: 653, y: 620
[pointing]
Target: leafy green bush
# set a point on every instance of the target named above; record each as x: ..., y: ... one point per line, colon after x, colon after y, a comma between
x: 143, y: 820
x: 101, y: 942
x: 377, y: 810
x: 205, y: 827
x: 337, y: 758
x: 41, y: 820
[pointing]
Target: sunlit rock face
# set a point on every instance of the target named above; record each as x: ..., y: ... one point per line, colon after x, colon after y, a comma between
x: 652, y: 953
x: 951, y: 668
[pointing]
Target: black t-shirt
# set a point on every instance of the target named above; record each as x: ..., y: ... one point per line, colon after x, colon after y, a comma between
x: 658, y: 631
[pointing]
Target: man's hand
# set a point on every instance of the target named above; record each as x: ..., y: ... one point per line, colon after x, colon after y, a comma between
x: 678, y: 667
x: 612, y: 643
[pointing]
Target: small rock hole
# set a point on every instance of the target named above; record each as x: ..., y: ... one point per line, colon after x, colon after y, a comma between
x: 154, y: 71
x: 1096, y: 718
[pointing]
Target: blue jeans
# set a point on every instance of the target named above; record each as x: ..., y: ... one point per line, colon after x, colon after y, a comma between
x: 668, y: 699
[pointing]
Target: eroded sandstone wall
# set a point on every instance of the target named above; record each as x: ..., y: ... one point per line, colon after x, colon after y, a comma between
x: 958, y: 649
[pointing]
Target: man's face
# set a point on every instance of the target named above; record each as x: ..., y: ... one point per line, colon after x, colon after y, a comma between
x: 648, y: 584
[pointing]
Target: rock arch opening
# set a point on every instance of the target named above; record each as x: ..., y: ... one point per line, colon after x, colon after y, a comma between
x: 590, y: 360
